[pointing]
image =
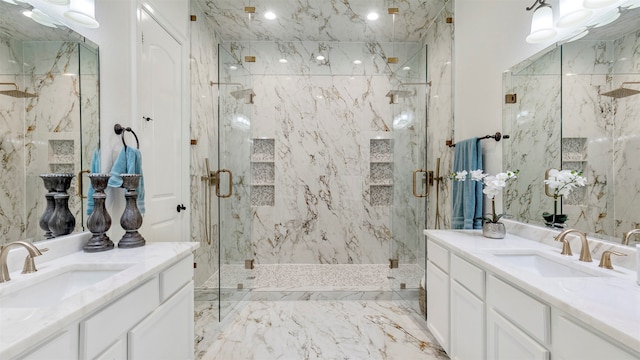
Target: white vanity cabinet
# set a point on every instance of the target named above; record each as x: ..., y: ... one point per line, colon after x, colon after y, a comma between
x: 467, y: 310
x: 154, y: 320
x: 474, y: 312
x: 438, y: 293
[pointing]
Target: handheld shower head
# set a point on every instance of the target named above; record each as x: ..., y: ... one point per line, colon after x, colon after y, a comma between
x: 622, y: 92
x: 15, y: 92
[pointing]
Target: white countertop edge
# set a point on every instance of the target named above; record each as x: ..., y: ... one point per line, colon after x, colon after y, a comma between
x: 621, y: 324
x: 146, y: 262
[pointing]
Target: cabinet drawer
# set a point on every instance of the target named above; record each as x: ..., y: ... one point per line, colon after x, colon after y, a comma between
x: 101, y: 330
x: 438, y: 255
x: 524, y: 311
x: 175, y: 277
x: 468, y: 275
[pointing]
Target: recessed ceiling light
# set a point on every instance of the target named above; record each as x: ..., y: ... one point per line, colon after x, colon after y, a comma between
x: 406, y: 68
x: 319, y: 57
x: 283, y: 61
x: 373, y: 16
x: 233, y: 67
x: 357, y: 62
x: 269, y: 15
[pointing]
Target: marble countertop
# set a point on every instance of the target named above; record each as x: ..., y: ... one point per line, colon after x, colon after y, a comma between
x: 610, y: 303
x: 24, y: 327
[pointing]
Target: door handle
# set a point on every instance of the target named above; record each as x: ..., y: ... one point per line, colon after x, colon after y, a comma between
x: 415, y: 183
x: 216, y: 179
x: 80, y: 194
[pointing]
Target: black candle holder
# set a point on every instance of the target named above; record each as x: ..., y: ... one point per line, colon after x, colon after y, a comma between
x: 62, y: 221
x: 131, y: 219
x: 99, y: 221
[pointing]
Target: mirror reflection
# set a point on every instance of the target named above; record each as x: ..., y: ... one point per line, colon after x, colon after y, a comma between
x: 49, y: 109
x: 578, y: 106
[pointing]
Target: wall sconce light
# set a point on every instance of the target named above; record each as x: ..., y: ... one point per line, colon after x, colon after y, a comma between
x: 82, y: 12
x: 598, y: 4
x: 541, y: 23
x: 572, y: 13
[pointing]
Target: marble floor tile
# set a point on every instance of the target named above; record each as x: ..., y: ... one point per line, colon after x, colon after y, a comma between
x: 325, y: 329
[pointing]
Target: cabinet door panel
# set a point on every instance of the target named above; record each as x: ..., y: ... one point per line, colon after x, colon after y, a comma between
x: 168, y: 332
x: 467, y: 325
x: 573, y: 341
x: 438, y: 304
x: 507, y: 342
x: 63, y: 346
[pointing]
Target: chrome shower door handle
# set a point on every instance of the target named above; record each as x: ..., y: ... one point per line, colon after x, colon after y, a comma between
x: 216, y: 177
x: 415, y: 183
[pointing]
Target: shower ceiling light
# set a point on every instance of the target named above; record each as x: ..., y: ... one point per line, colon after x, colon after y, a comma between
x: 541, y: 23
x: 269, y: 15
x: 283, y: 61
x: 320, y: 57
x: 82, y: 12
x: 572, y: 13
x: 357, y: 62
x: 373, y: 16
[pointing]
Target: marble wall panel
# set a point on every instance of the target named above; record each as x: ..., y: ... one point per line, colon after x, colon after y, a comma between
x: 440, y: 118
x: 12, y: 186
x: 204, y: 129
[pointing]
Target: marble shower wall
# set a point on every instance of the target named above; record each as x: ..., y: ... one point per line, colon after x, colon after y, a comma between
x: 322, y: 116
x: 42, y: 134
x: 439, y: 41
x: 204, y: 129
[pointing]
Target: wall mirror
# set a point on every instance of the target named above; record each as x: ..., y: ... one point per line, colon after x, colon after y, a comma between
x: 49, y: 117
x: 567, y: 115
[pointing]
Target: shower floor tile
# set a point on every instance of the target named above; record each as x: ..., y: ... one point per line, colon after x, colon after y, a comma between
x: 329, y: 329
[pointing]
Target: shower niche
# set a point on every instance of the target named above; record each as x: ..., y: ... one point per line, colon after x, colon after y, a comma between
x: 263, y: 172
x: 381, y: 172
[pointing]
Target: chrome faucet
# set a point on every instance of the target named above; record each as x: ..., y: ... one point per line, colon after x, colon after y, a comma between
x: 627, y: 235
x: 585, y: 253
x: 29, y: 265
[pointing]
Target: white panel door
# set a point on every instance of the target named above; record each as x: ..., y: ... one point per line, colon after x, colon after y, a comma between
x: 160, y: 91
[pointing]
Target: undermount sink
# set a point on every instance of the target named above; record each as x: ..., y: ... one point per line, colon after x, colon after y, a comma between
x: 51, y: 289
x: 544, y: 266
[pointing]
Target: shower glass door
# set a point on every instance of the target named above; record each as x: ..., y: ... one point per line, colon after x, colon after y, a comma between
x: 233, y: 179
x: 409, y: 112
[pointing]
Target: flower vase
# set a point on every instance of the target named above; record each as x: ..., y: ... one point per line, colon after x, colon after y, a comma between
x: 495, y: 230
x: 51, y: 205
x: 131, y: 219
x: 555, y: 219
x: 99, y: 221
x: 62, y: 221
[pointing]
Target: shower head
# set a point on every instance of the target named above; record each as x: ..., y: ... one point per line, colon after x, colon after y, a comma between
x: 622, y: 92
x: 15, y: 92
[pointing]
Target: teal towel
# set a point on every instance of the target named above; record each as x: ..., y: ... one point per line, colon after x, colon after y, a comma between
x: 467, y: 195
x: 129, y: 161
x: 95, y: 168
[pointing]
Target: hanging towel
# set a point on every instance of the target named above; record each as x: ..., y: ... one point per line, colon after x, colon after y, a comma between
x: 95, y: 168
x: 467, y: 195
x: 129, y: 161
